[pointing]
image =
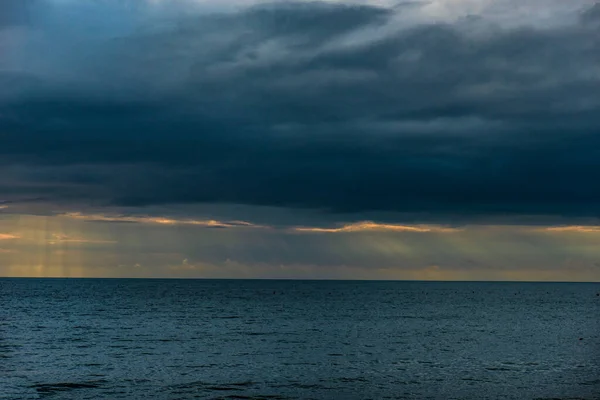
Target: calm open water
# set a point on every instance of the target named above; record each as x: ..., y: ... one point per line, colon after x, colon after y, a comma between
x: 187, y: 339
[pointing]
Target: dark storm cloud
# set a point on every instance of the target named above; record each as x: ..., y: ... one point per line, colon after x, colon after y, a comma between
x: 312, y: 105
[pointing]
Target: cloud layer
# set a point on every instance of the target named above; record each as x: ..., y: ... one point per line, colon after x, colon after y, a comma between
x: 455, y: 108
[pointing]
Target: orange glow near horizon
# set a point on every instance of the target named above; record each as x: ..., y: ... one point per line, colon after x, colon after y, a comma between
x: 8, y: 236
x: 373, y: 226
x: 72, y: 245
x: 574, y: 229
x: 211, y: 223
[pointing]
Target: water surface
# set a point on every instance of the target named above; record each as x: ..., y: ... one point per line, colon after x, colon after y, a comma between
x: 210, y: 339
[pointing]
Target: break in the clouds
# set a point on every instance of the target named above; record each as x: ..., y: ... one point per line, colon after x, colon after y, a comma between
x: 74, y: 246
x: 351, y: 136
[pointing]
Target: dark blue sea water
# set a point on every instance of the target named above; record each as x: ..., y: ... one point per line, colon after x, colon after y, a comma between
x: 203, y: 339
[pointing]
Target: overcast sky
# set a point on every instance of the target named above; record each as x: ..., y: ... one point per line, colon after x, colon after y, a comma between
x: 443, y: 139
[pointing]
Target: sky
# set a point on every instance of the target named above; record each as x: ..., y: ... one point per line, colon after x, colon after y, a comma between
x: 428, y: 140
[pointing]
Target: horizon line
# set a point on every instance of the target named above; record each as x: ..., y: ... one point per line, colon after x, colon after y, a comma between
x: 291, y: 279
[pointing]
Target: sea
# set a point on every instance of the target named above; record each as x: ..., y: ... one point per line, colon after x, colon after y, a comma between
x: 275, y: 339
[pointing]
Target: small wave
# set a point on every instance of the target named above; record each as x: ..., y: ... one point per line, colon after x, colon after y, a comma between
x: 253, y: 397
x: 233, y: 386
x: 560, y: 398
x: 349, y: 380
x: 591, y: 383
x: 223, y: 388
x: 137, y: 381
x: 4, y: 347
x: 212, y: 365
x: 411, y: 382
x: 499, y: 369
x: 259, y: 333
x: 298, y: 385
x: 471, y: 379
x: 50, y: 388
